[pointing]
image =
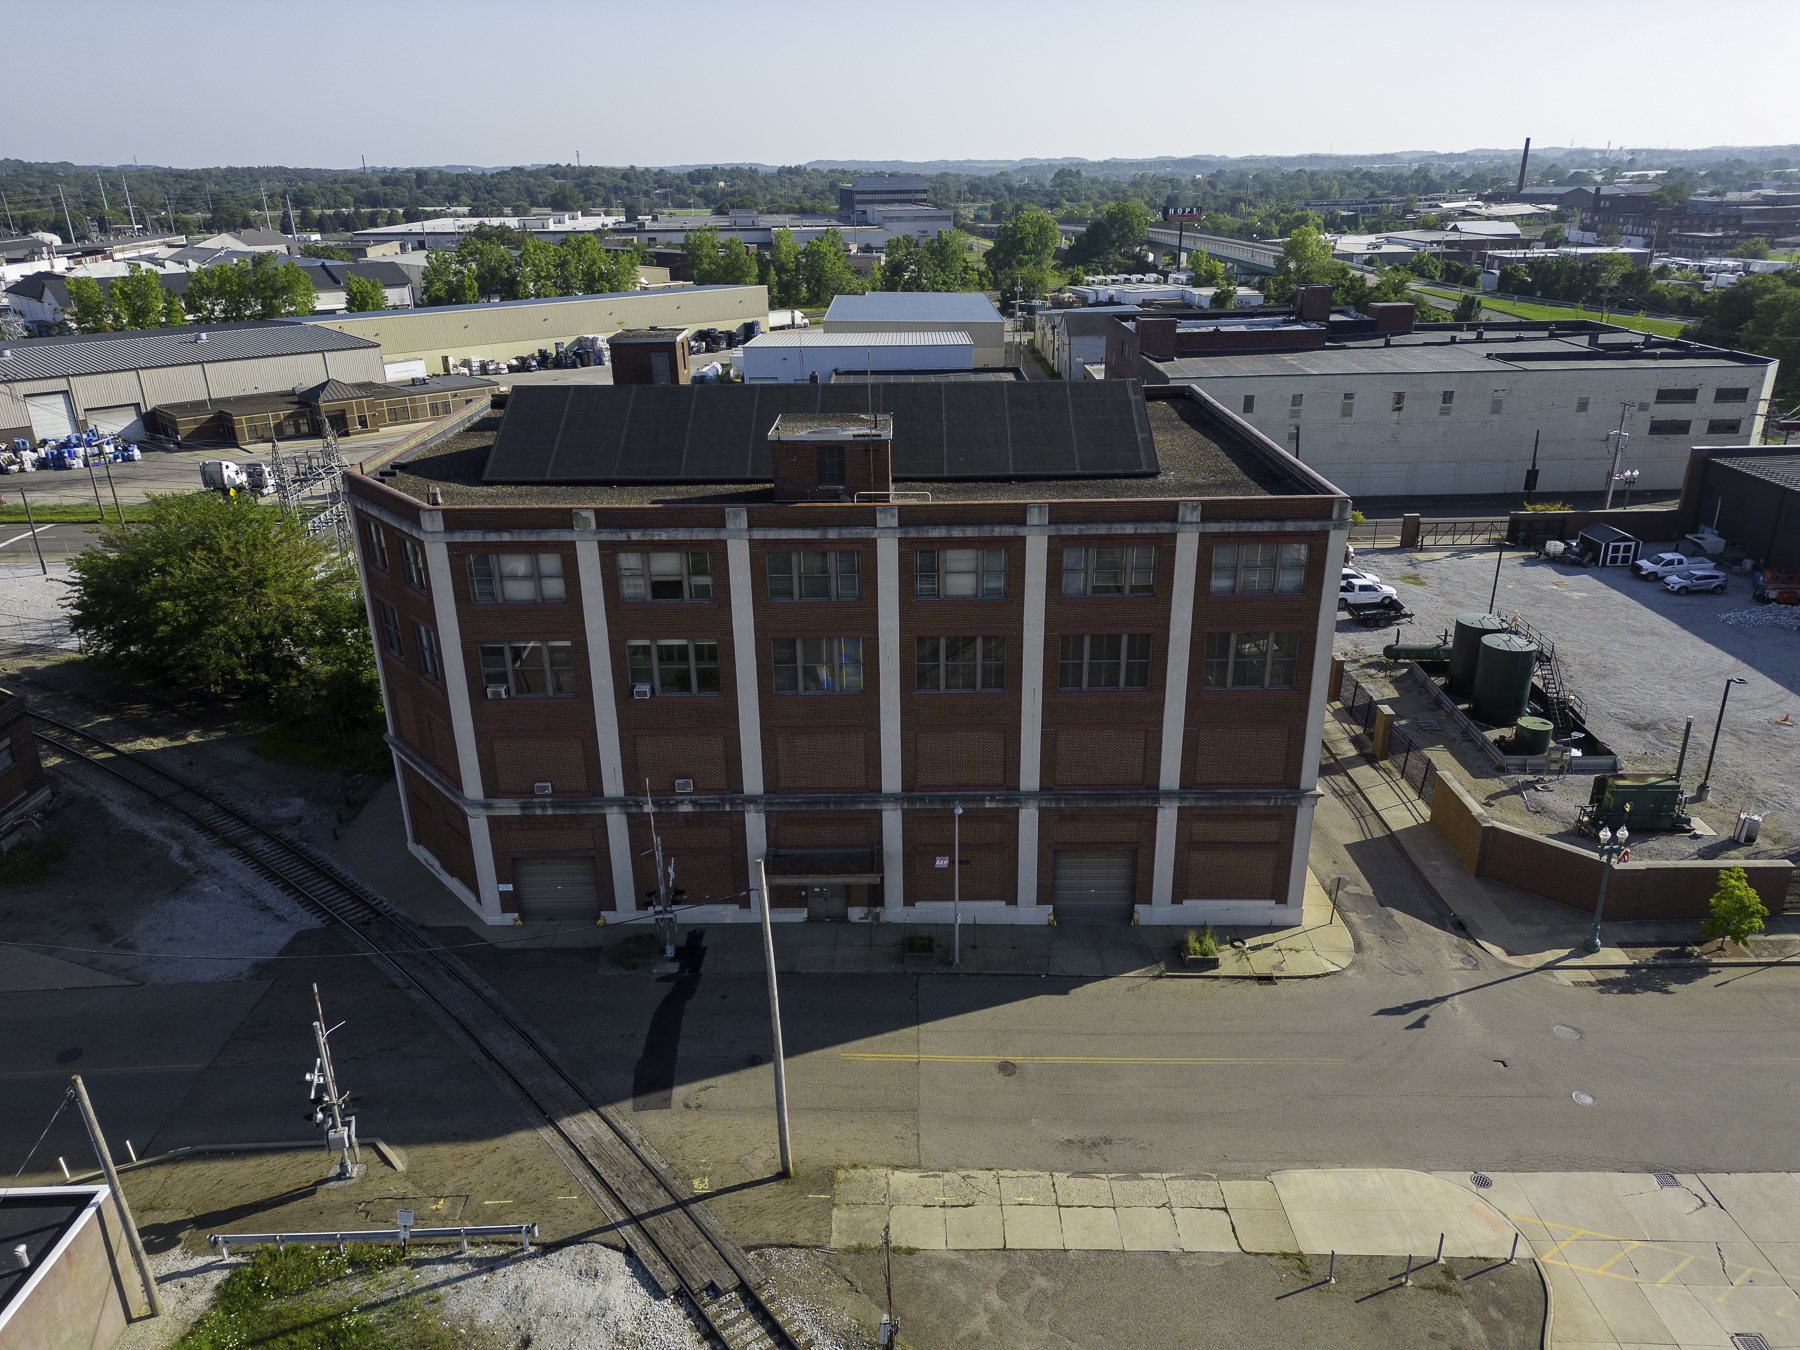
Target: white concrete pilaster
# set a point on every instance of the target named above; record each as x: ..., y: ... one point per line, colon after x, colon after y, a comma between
x: 1162, y: 872
x: 756, y: 845
x: 893, y: 863
x: 1028, y: 857
x: 1303, y: 824
x: 887, y: 629
x: 1031, y: 676
x: 745, y: 656
x: 1175, y: 701
x: 1327, y: 634
x: 600, y: 668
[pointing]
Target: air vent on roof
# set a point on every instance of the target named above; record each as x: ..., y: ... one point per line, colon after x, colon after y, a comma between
x: 202, y: 337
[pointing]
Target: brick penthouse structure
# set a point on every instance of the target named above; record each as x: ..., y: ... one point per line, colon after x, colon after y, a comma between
x: 811, y: 619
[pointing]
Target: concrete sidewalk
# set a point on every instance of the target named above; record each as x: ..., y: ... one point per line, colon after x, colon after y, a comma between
x: 1320, y: 944
x: 1520, y: 928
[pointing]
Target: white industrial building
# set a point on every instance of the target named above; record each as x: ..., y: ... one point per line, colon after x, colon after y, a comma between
x: 1450, y: 411
x: 799, y: 355
x: 967, y: 312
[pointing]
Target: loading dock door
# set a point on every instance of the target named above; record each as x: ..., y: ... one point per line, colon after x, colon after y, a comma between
x: 51, y: 416
x: 1095, y: 887
x: 556, y: 888
x: 124, y: 421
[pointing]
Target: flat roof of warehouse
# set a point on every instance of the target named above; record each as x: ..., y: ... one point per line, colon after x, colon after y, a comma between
x: 801, y: 337
x: 913, y: 307
x: 503, y: 304
x: 103, y: 353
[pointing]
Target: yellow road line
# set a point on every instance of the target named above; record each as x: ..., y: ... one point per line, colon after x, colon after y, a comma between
x: 871, y: 1057
x: 1686, y: 1262
x: 88, y: 1073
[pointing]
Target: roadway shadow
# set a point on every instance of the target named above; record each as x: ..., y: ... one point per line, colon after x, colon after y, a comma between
x: 653, y: 1077
x: 1650, y: 979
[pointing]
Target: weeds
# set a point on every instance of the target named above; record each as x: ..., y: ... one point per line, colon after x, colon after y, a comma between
x: 280, y: 1299
x: 635, y: 950
x: 26, y: 864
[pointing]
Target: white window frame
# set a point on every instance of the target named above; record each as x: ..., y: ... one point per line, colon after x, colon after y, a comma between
x: 935, y: 571
x: 653, y: 665
x: 1133, y: 566
x: 431, y: 658
x: 375, y: 549
x: 390, y: 630
x: 1347, y: 405
x: 842, y: 574
x: 539, y: 573
x: 506, y: 662
x: 1238, y: 569
x: 691, y: 574
x: 412, y: 561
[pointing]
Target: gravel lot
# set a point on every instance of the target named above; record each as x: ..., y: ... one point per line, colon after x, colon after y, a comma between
x: 1644, y: 660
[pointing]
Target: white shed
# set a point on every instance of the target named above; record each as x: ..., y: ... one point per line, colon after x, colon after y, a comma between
x: 794, y: 357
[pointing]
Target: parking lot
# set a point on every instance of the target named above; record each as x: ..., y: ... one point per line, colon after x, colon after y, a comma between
x: 1643, y: 659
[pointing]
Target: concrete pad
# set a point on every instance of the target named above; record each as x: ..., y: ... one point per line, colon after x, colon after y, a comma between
x: 861, y: 1186
x: 1027, y: 1188
x: 974, y: 1228
x: 1579, y: 1200
x: 1085, y: 1189
x: 22, y: 970
x: 1629, y: 1313
x: 918, y: 1226
x: 1194, y: 1193
x: 1149, y: 1230
x: 943, y: 1188
x: 1091, y: 1230
x: 1677, y: 1211
x: 1766, y: 1206
x: 1578, y: 1321
x: 1263, y: 1230
x: 1139, y: 1192
x: 1032, y: 1227
x: 1205, y: 1230
x: 1691, y: 1316
x: 1250, y: 1195
x: 857, y: 1225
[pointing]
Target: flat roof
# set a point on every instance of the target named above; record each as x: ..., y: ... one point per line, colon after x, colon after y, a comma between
x: 914, y: 307
x: 979, y: 375
x: 802, y: 337
x: 425, y: 310
x: 104, y: 353
x: 1781, y: 470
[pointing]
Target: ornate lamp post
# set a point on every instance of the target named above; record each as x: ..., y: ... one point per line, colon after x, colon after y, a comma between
x: 1612, y: 848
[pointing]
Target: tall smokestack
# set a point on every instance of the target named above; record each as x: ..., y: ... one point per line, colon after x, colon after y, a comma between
x: 1524, y: 159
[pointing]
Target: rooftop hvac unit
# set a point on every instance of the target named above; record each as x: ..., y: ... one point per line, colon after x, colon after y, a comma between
x: 542, y: 789
x: 498, y: 691
x: 640, y: 691
x: 684, y: 785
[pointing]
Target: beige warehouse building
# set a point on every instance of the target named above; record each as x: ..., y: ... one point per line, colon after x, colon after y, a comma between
x: 519, y: 327
x: 924, y: 312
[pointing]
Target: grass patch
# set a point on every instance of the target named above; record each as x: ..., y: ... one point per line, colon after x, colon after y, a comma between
x: 1414, y: 579
x: 920, y: 944
x: 365, y: 754
x: 27, y: 863
x: 1438, y: 1287
x: 1553, y: 314
x: 285, y: 746
x: 636, y: 950
x: 307, y: 1298
x: 70, y: 513
x: 1298, y: 1261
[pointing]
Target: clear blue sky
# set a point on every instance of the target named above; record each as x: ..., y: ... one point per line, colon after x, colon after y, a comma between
x: 206, y: 82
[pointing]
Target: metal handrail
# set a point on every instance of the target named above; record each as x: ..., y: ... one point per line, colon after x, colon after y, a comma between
x: 895, y: 495
x: 224, y: 1242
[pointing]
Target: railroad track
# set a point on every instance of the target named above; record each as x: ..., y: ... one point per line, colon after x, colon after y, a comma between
x: 677, y: 1238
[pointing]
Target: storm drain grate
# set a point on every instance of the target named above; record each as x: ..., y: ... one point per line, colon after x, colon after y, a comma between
x: 1482, y: 1180
x: 1666, y: 1180
x: 1748, y: 1340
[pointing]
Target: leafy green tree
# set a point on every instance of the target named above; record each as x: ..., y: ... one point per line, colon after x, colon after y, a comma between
x: 1468, y: 309
x: 362, y: 294
x: 227, y: 596
x: 823, y: 271
x: 784, y: 258
x: 325, y: 252
x: 1023, y: 248
x: 1752, y: 248
x: 1737, y: 910
x: 1554, y: 235
x: 1305, y: 261
x: 585, y: 268
x: 139, y: 300
x: 736, y: 266
x: 538, y: 273
x: 902, y: 269
x: 1515, y: 280
x: 89, y: 309
x: 1207, y: 270
x: 260, y: 288
x: 1225, y: 297
x: 449, y: 279
x: 702, y: 249
x: 946, y: 264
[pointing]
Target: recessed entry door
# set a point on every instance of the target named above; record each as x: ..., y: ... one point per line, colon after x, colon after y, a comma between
x: 1095, y: 886
x: 827, y: 904
x: 556, y: 888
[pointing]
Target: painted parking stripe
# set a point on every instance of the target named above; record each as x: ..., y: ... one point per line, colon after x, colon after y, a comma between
x: 15, y: 539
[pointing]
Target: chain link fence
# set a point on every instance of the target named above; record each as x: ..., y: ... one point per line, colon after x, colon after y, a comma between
x: 1414, y: 764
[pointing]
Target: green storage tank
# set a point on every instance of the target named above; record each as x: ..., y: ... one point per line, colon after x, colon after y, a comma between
x: 1531, y: 735
x: 1465, y: 649
x: 1503, y: 678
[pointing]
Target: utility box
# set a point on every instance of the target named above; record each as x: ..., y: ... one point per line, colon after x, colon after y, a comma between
x: 1657, y: 802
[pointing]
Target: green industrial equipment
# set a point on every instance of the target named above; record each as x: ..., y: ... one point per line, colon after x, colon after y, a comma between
x: 1531, y: 736
x: 1503, y: 677
x: 1465, y: 649
x: 1400, y: 651
x: 1656, y: 800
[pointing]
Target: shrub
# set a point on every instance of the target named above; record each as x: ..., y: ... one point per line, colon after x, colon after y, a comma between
x: 1200, y: 942
x: 1548, y: 506
x: 1737, y: 910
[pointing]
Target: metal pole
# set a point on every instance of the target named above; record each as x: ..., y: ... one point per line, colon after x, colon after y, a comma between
x: 114, y: 487
x: 781, y: 1110
x: 1495, y: 593
x: 32, y: 526
x: 1706, y: 778
x: 95, y: 480
x: 956, y: 885
x: 118, y: 1193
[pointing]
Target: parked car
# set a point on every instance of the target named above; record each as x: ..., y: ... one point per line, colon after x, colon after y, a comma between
x: 1363, y: 592
x: 1703, y: 578
x: 1663, y: 564
x: 1355, y: 574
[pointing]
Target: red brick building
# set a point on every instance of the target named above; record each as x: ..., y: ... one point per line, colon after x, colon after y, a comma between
x: 1100, y: 623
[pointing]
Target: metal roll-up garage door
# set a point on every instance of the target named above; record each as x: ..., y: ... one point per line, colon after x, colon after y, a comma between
x: 1095, y: 887
x: 125, y: 421
x: 556, y: 888
x: 51, y: 416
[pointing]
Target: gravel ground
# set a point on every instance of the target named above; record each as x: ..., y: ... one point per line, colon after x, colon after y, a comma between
x: 31, y: 604
x: 1644, y: 660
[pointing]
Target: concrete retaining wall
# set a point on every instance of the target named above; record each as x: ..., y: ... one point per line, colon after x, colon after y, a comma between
x: 81, y: 1294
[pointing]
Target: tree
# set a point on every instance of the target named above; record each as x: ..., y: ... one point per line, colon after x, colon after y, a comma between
x: 1515, y: 280
x: 325, y: 253
x: 1305, y: 261
x: 449, y: 279
x: 1023, y: 248
x: 538, y: 274
x: 89, y: 309
x: 362, y: 294
x: 784, y: 258
x: 1751, y: 248
x: 1554, y: 235
x: 1468, y: 309
x: 1207, y: 270
x: 823, y: 271
x: 702, y: 249
x: 1737, y: 910
x: 140, y: 301
x: 231, y: 597
x: 736, y: 266
x: 1224, y: 297
x: 260, y: 288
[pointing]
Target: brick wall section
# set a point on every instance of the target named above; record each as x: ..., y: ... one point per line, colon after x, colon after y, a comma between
x: 418, y: 707
x: 1085, y: 831
x: 25, y: 779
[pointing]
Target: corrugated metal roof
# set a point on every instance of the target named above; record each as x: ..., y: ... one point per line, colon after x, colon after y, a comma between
x: 914, y: 307
x: 1782, y: 470
x: 806, y: 338
x: 103, y: 353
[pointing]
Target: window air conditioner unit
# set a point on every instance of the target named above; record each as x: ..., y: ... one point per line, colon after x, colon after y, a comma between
x: 498, y: 691
x: 640, y: 691
x: 542, y: 789
x: 684, y: 785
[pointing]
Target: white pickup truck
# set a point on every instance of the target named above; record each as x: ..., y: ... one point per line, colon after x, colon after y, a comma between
x: 1664, y: 564
x: 1362, y: 592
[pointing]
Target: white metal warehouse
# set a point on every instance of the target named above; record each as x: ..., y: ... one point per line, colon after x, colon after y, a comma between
x: 798, y: 355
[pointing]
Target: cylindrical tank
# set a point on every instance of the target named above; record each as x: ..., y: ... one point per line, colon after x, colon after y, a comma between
x: 1531, y: 735
x: 1465, y: 649
x: 1503, y: 678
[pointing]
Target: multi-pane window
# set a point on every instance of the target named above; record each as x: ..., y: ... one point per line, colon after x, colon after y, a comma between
x: 516, y: 578
x: 1497, y: 402
x: 376, y: 541
x: 1104, y: 661
x: 1446, y: 403
x: 1295, y: 404
x: 674, y: 665
x: 1677, y: 395
x: 831, y: 466
x: 1250, y: 660
x: 1110, y: 571
x: 1259, y: 569
x: 1347, y: 408
x: 959, y: 573
x: 1669, y: 426
x: 390, y: 627
x: 412, y: 562
x: 818, y: 665
x: 1581, y: 404
x: 1723, y: 426
x: 956, y: 665
x: 528, y: 669
x: 1741, y: 395
x: 431, y: 660
x: 665, y: 576
x: 812, y: 575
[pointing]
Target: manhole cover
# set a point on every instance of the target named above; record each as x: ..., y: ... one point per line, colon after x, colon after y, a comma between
x: 1467, y: 962
x: 1567, y: 1033
x: 68, y: 1056
x: 1666, y: 1180
x: 1006, y: 1068
x: 1482, y: 1180
x: 753, y: 1060
x: 1582, y: 1098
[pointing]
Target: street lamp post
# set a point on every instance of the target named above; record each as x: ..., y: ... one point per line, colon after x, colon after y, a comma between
x: 1702, y: 792
x: 1612, y: 846
x: 956, y: 885
x: 1629, y: 477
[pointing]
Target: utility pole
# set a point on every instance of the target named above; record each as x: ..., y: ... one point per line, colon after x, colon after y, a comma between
x: 1620, y: 439
x: 10, y: 227
x: 105, y: 206
x: 138, y: 1256
x: 338, y: 1135
x: 65, y: 205
x: 130, y: 213
x: 265, y: 201
x: 781, y: 1109
x: 956, y: 885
